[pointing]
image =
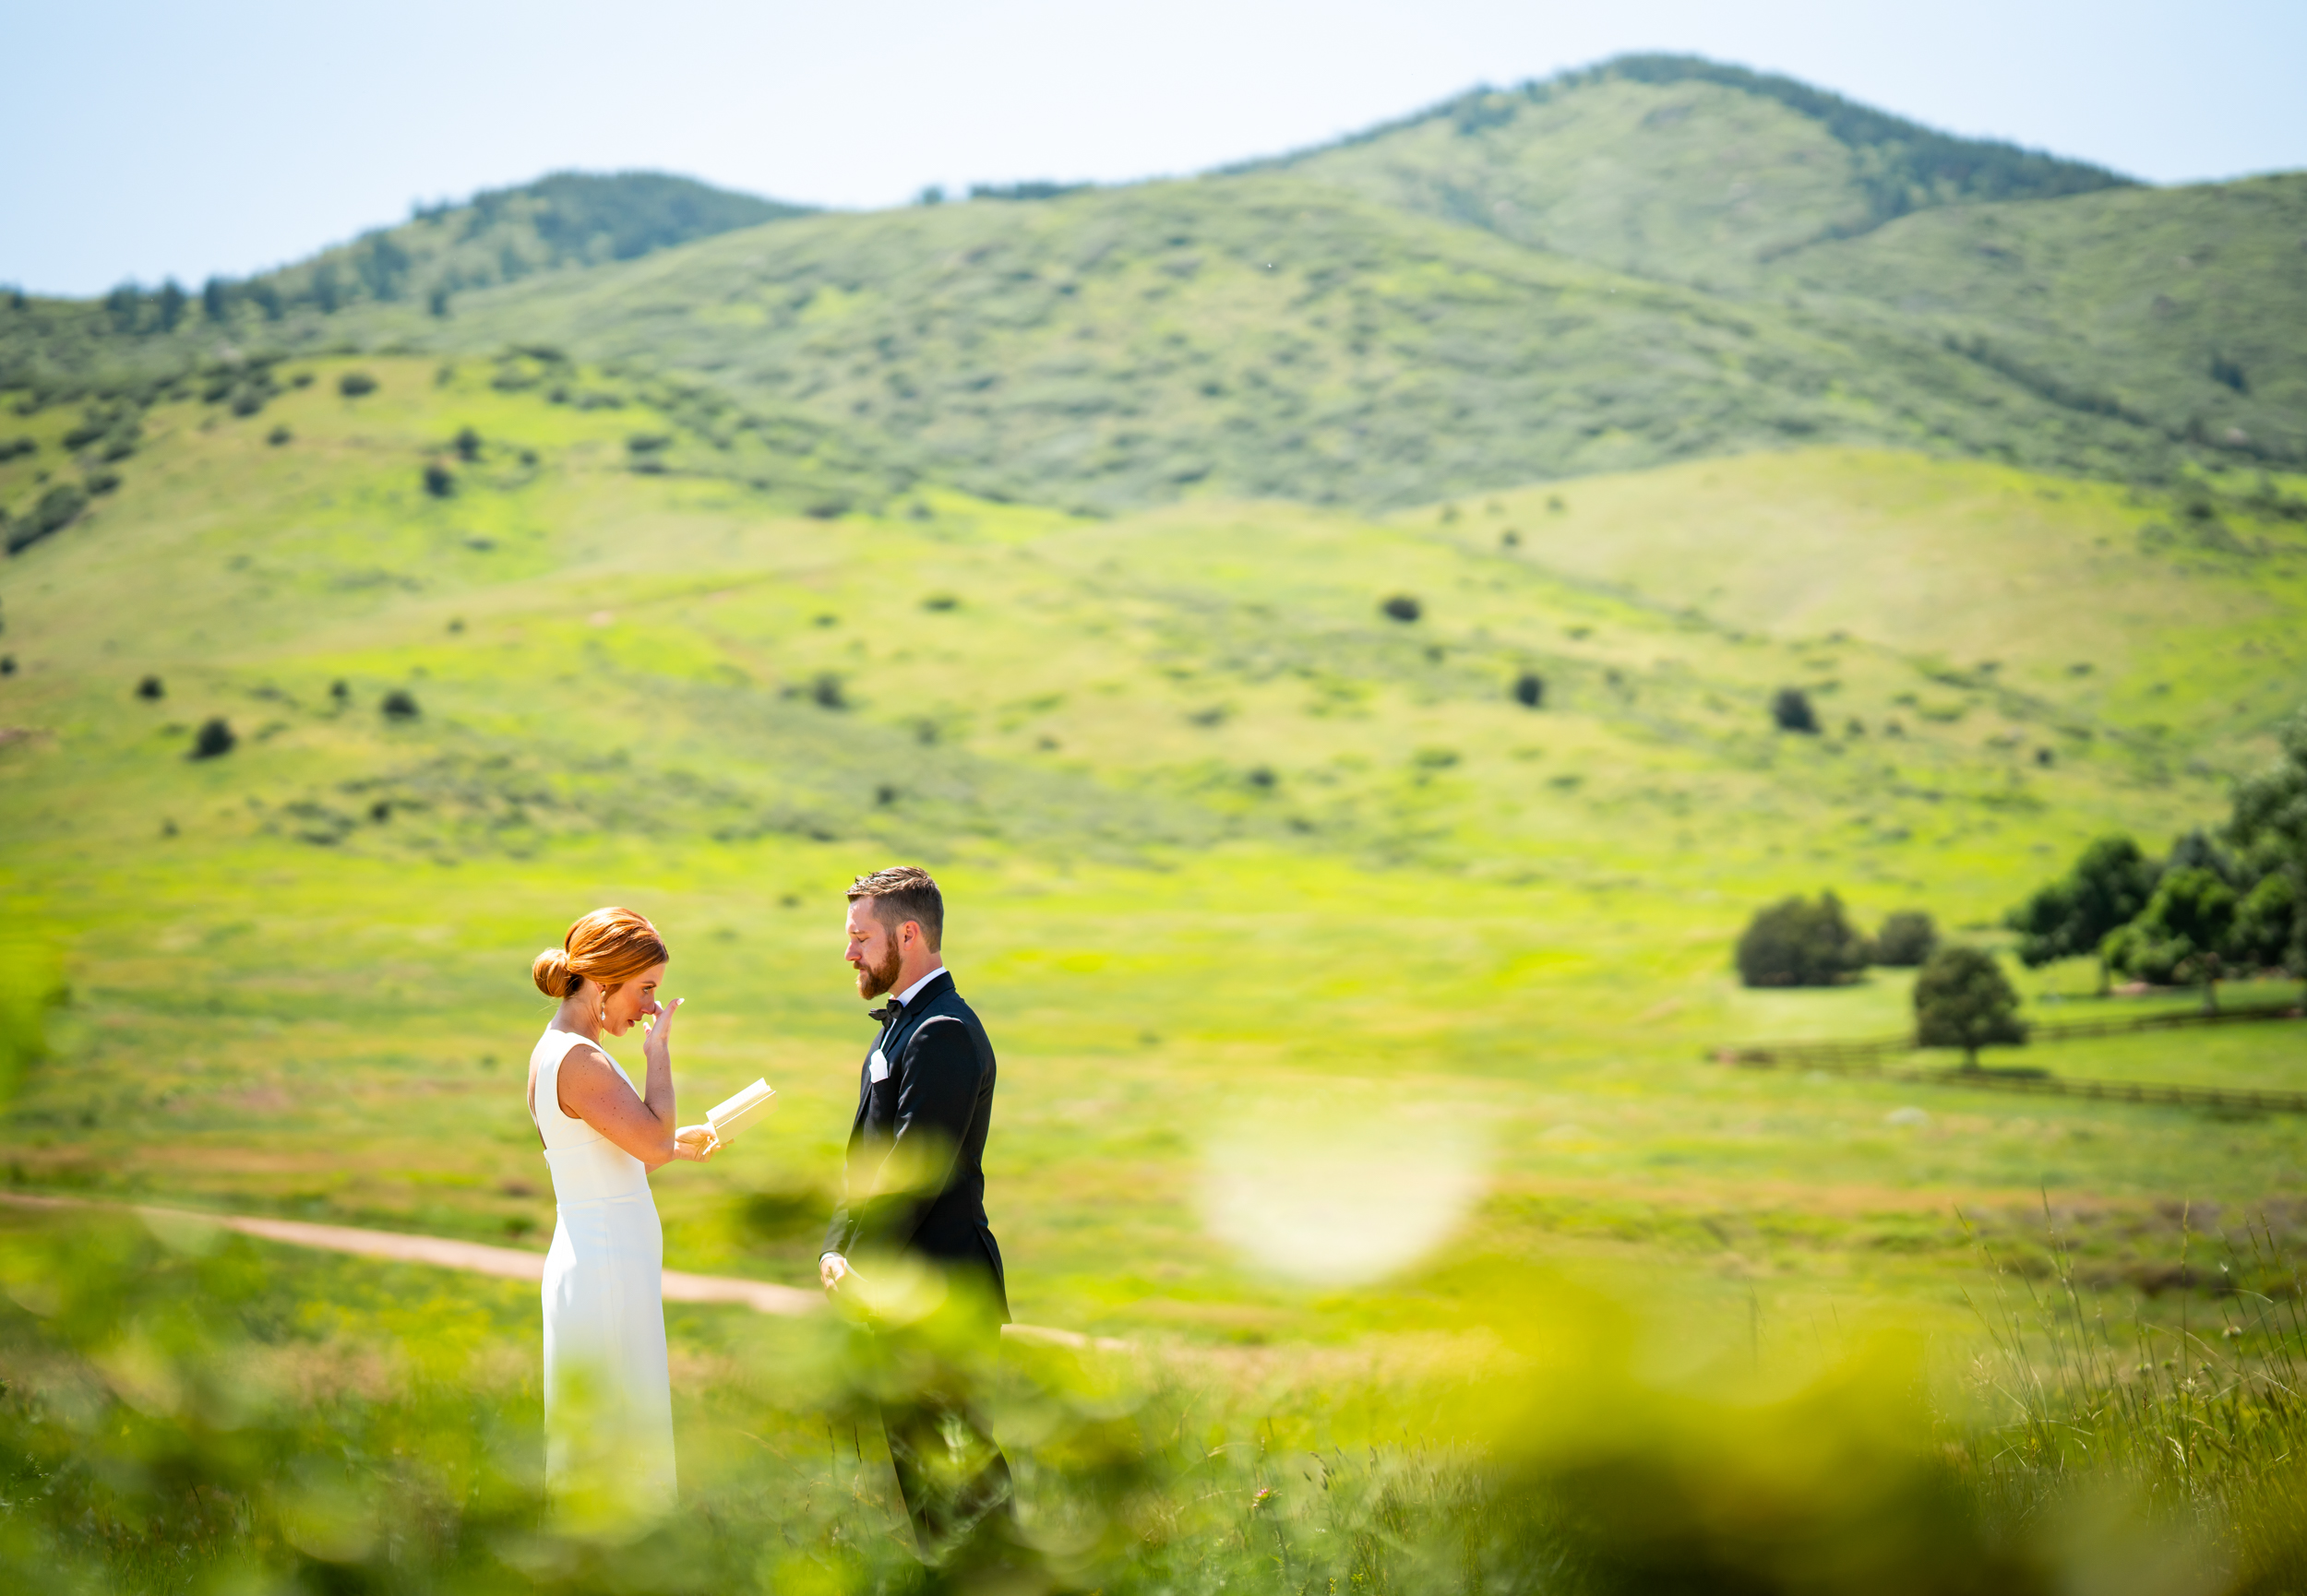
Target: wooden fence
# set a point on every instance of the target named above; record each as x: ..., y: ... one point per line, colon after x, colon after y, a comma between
x: 1770, y: 1053
x: 1865, y: 1059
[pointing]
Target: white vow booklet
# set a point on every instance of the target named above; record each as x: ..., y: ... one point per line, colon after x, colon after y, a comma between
x: 732, y: 1116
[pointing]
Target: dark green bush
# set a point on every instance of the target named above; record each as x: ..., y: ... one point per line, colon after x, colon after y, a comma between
x: 825, y: 692
x: 1906, y: 940
x: 1402, y: 607
x: 56, y: 509
x: 400, y: 705
x: 467, y: 443
x: 11, y: 448
x: 102, y: 482
x: 439, y: 480
x: 277, y: 436
x: 354, y: 384
x: 151, y: 688
x: 1530, y: 690
x: 1790, y: 711
x: 1797, y: 943
x: 214, y: 739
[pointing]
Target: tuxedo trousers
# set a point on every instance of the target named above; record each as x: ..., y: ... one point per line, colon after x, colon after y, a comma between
x: 951, y: 1471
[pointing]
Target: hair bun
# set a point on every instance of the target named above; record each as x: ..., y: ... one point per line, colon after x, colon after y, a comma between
x: 552, y: 973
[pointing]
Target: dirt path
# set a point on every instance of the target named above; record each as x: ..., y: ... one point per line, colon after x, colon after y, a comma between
x: 508, y: 1263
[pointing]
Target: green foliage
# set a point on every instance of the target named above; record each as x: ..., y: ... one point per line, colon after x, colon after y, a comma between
x: 356, y: 385
x: 1906, y: 940
x: 399, y: 705
x: 439, y: 480
x: 1529, y: 690
x: 58, y: 508
x: 1790, y: 711
x: 2269, y: 825
x: 186, y: 1409
x: 2184, y: 934
x: 2073, y: 915
x: 1401, y: 607
x: 1797, y: 943
x: 214, y: 739
x: 1963, y: 999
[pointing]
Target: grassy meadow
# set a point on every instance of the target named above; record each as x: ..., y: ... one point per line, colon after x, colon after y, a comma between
x: 1291, y: 923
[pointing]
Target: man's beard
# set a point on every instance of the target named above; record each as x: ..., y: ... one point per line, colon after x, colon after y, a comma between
x: 873, y: 980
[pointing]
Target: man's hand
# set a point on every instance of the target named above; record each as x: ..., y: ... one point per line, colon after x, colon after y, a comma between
x: 832, y: 1269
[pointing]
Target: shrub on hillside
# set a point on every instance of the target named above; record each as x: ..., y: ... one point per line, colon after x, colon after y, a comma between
x: 400, y: 705
x: 1797, y: 943
x: 213, y: 740
x: 55, y: 510
x: 11, y: 448
x: 1790, y: 709
x: 277, y: 436
x: 1906, y: 940
x: 825, y: 691
x: 1530, y: 690
x: 356, y: 384
x: 151, y: 688
x: 466, y: 443
x: 1963, y: 999
x: 1402, y: 607
x: 102, y: 482
x: 439, y: 480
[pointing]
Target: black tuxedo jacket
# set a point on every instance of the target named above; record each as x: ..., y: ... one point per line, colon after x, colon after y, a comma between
x: 936, y: 1107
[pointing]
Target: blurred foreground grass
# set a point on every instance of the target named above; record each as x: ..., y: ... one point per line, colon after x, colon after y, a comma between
x: 189, y: 1410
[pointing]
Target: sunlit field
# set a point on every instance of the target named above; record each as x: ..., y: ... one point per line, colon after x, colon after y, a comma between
x: 1358, y: 1015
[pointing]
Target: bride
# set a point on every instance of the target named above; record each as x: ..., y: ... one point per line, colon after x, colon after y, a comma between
x: 608, y: 1402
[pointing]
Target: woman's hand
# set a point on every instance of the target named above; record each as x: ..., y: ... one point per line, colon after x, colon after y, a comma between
x: 657, y: 1046
x: 695, y: 1142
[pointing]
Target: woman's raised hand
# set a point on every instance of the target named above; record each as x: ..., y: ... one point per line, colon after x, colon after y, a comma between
x: 656, y: 1047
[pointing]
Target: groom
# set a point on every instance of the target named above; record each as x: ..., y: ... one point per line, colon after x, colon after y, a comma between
x: 913, y: 1208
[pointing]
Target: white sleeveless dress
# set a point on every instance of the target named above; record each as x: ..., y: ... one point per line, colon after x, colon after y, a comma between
x: 608, y: 1398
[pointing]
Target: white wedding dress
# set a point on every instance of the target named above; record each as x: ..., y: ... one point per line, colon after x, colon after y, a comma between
x: 608, y: 1400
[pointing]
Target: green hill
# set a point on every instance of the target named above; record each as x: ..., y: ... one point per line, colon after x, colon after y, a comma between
x: 2178, y: 309
x: 564, y: 220
x: 1658, y: 260
x: 1672, y: 166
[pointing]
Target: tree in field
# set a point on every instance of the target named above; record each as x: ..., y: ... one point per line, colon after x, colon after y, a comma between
x: 2071, y: 916
x: 216, y: 301
x: 1908, y: 939
x: 1790, y: 709
x: 1963, y: 999
x: 1795, y: 943
x: 2186, y: 933
x: 2270, y: 828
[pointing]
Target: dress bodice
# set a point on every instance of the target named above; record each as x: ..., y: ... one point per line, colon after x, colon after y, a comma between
x: 587, y: 1166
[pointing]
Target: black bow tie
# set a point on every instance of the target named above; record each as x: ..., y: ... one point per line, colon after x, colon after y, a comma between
x: 883, y: 1016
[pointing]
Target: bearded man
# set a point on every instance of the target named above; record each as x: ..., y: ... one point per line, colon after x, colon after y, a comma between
x: 925, y: 1270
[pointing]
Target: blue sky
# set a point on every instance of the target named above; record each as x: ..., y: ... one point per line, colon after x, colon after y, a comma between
x: 146, y: 140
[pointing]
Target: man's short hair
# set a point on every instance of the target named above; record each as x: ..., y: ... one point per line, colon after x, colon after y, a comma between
x: 905, y: 892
